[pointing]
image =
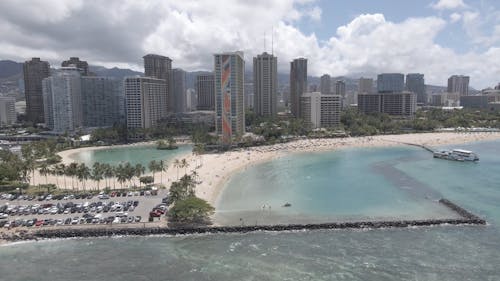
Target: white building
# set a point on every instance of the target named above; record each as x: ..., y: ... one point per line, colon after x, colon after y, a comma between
x: 62, y: 100
x: 7, y: 110
x: 229, y: 71
x: 145, y: 101
x: 320, y: 111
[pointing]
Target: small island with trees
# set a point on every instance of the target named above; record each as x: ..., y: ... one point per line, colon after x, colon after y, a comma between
x: 169, y: 144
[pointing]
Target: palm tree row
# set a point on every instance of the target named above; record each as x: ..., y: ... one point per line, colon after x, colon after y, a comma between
x: 81, y: 173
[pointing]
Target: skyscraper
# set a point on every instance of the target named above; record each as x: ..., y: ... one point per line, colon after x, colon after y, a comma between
x: 34, y: 72
x: 178, y: 97
x: 103, y: 101
x: 229, y: 71
x: 160, y: 67
x: 7, y: 111
x: 205, y: 88
x: 145, y: 101
x: 340, y: 88
x: 265, y: 82
x: 415, y: 83
x: 76, y: 62
x: 62, y: 100
x: 298, y: 83
x: 325, y: 84
x: 390, y: 82
x: 459, y: 84
x: 157, y: 66
x: 365, y: 86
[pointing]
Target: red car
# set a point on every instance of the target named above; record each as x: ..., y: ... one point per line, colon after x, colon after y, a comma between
x: 155, y: 214
x: 39, y: 223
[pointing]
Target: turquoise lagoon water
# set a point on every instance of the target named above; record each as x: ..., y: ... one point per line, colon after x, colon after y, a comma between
x: 426, y: 253
x: 139, y: 154
x: 349, y: 184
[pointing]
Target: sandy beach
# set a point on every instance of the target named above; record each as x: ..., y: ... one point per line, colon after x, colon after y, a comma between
x: 213, y: 170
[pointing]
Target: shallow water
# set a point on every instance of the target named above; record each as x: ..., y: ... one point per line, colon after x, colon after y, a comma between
x: 349, y: 184
x: 426, y: 253
x: 139, y: 154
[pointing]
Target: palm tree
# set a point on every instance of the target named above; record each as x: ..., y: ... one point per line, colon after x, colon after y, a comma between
x: 97, y: 173
x: 83, y: 174
x: 53, y: 172
x: 60, y: 170
x: 44, y: 171
x: 138, y: 172
x: 184, y: 164
x: 177, y: 164
x: 162, y: 167
x: 153, y: 167
x: 108, y: 173
x: 129, y: 172
x: 71, y: 170
x: 120, y: 174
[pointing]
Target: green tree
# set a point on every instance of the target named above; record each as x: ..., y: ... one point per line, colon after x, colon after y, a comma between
x: 191, y: 211
x: 153, y: 167
x: 146, y: 180
x: 83, y: 174
x: 139, y: 170
x: 97, y: 173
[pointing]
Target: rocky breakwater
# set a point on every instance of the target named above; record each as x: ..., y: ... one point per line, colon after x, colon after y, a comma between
x: 465, y: 218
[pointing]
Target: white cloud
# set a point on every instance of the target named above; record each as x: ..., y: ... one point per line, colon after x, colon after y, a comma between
x: 449, y: 5
x: 189, y: 32
x: 455, y: 17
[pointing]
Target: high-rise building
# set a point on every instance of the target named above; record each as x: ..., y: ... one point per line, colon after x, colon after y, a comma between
x: 62, y: 100
x: 178, y: 97
x: 205, y: 88
x: 320, y: 111
x: 157, y: 66
x: 145, y: 101
x: 365, y: 86
x: 325, y: 86
x: 298, y: 83
x: 35, y: 71
x: 340, y: 88
x: 248, y: 93
x: 402, y: 104
x: 459, y: 84
x: 390, y: 83
x: 265, y: 82
x: 103, y: 101
x: 160, y: 67
x: 191, y: 100
x: 415, y: 83
x: 7, y: 111
x: 229, y: 70
x: 76, y: 62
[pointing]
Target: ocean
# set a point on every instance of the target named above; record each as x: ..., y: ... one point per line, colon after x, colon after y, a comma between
x: 350, y: 184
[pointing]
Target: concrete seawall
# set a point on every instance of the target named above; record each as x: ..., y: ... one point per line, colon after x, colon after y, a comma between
x: 467, y: 218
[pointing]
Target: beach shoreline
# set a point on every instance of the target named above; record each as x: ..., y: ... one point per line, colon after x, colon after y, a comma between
x: 214, y: 169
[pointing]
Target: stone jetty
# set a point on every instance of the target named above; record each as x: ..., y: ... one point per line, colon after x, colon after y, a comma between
x: 466, y: 218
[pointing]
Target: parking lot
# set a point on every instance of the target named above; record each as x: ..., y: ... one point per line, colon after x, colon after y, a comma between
x: 77, y: 209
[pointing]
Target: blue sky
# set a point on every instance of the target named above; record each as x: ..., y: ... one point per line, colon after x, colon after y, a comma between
x: 337, y: 12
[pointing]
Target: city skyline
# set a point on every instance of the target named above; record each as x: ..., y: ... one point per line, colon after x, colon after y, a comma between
x: 448, y: 37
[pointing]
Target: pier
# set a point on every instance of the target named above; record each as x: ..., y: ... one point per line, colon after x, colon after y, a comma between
x: 466, y: 218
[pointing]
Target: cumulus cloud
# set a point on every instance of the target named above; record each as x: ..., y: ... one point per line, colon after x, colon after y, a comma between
x: 449, y: 5
x: 116, y: 32
x: 455, y: 17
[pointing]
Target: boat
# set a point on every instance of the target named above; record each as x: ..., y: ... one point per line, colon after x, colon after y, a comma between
x: 287, y: 205
x: 457, y: 155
